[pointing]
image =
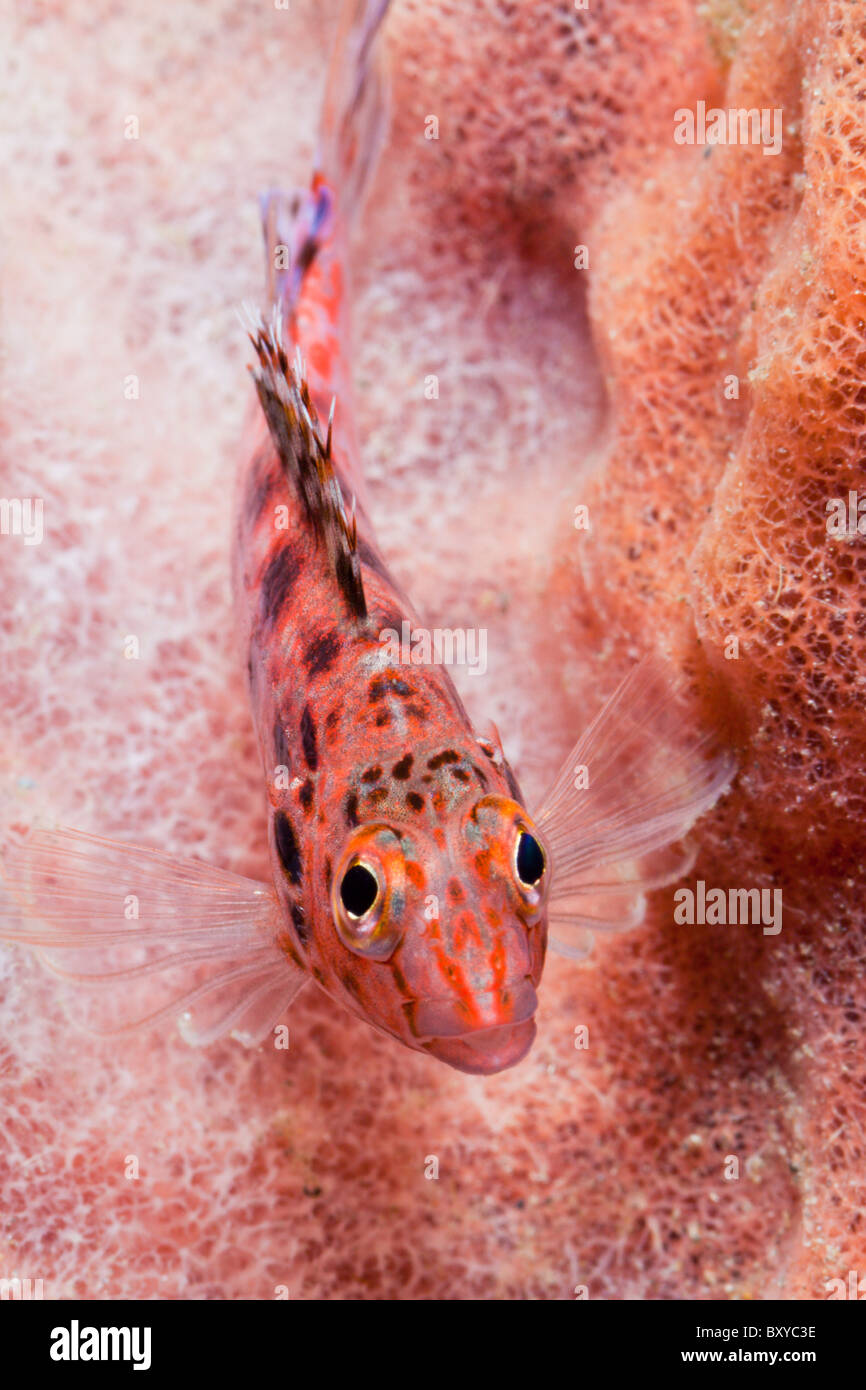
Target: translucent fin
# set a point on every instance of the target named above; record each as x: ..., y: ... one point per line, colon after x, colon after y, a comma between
x: 355, y: 109
x: 629, y: 791
x: 148, y: 937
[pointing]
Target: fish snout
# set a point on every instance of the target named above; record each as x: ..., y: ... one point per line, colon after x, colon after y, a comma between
x: 454, y: 1016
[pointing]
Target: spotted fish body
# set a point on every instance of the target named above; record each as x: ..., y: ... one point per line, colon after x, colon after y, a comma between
x: 367, y: 759
x: 409, y: 880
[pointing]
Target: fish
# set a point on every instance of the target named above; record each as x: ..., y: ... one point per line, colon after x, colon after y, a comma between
x: 409, y: 880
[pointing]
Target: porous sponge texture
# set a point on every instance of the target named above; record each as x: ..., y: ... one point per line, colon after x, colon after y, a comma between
x: 788, y: 589
x: 728, y: 315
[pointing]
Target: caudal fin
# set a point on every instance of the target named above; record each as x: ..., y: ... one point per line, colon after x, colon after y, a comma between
x: 355, y: 110
x: 298, y: 223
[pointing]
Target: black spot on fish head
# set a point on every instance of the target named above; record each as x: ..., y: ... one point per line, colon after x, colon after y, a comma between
x: 403, y: 769
x: 286, y: 842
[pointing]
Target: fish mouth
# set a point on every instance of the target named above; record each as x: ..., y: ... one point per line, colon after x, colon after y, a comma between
x: 497, y: 1033
x: 452, y: 1017
x: 486, y: 1050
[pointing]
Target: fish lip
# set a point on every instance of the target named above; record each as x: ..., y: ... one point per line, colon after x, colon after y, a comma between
x: 485, y: 1054
x: 446, y: 1017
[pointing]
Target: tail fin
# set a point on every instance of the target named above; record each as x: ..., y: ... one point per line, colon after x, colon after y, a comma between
x: 355, y: 109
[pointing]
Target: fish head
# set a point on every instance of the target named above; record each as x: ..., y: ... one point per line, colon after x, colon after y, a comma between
x: 442, y: 929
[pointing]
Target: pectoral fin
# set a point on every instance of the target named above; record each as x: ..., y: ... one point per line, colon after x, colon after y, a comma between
x: 613, y: 820
x: 148, y: 936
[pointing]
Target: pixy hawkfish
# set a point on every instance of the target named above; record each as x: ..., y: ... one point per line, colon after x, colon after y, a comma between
x: 410, y: 880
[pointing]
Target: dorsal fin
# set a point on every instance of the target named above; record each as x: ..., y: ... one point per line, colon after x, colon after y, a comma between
x: 306, y: 456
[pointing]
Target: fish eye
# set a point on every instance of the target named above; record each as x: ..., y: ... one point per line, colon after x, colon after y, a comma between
x: 359, y: 890
x: 529, y: 861
x: 368, y: 892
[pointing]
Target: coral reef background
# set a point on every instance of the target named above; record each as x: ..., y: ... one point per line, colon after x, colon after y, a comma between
x: 606, y: 387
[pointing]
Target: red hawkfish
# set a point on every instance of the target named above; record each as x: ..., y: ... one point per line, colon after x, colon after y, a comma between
x: 410, y: 881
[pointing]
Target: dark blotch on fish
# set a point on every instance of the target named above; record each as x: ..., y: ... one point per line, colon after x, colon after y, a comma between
x: 307, y: 254
x: 351, y: 809
x: 415, y: 801
x: 381, y: 684
x: 460, y: 773
x: 449, y: 756
x: 300, y: 923
x: 280, y: 576
x: 455, y: 890
x: 321, y: 654
x: 287, y: 846
x: 402, y: 769
x: 306, y: 796
x: 372, y: 774
x: 308, y: 739
x: 399, y: 979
